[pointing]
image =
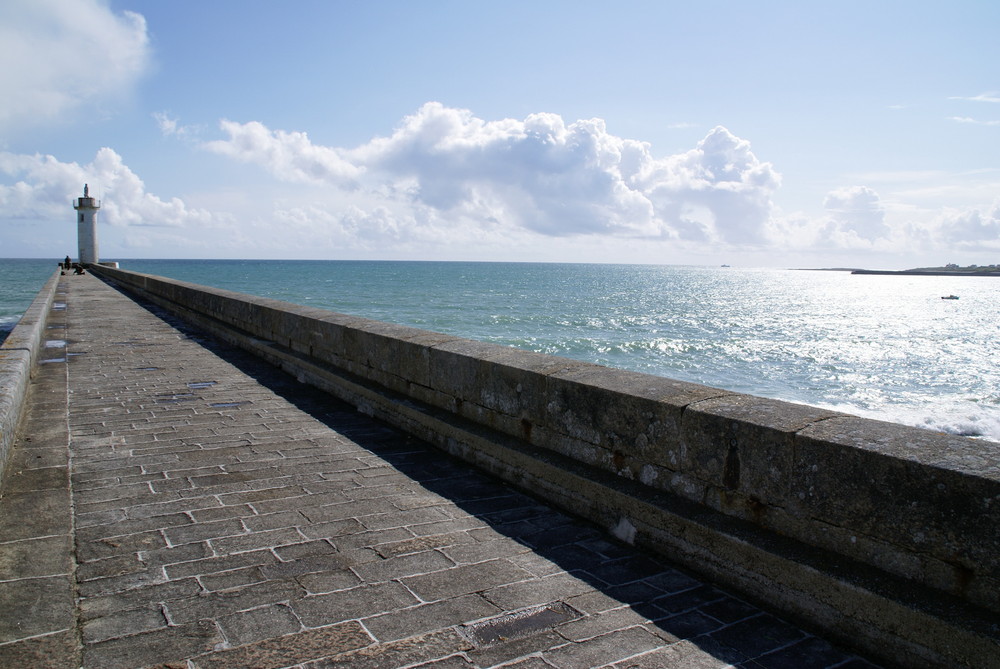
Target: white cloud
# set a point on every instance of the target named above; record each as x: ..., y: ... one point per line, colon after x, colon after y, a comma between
x: 445, y: 181
x: 171, y: 127
x: 972, y: 121
x: 718, y: 191
x: 289, y: 156
x: 168, y: 126
x: 860, y: 220
x: 446, y: 167
x: 990, y: 96
x: 857, y: 212
x: 970, y: 229
x: 45, y: 187
x: 446, y: 184
x: 56, y: 55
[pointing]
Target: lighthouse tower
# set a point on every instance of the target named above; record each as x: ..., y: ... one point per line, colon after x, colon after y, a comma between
x: 86, y: 226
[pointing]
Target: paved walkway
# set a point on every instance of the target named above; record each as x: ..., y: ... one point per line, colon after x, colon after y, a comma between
x: 175, y: 503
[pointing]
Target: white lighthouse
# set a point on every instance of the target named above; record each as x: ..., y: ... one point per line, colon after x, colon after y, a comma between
x: 86, y: 226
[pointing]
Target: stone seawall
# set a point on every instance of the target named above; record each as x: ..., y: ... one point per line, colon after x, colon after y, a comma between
x: 18, y: 356
x: 885, y: 536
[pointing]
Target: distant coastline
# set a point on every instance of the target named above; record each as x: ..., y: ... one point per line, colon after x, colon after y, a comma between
x: 974, y: 270
x: 949, y: 270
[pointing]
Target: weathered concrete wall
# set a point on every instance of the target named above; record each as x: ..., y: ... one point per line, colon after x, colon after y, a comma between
x: 886, y: 536
x: 18, y: 355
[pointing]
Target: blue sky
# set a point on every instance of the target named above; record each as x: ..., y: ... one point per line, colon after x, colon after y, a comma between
x: 788, y: 134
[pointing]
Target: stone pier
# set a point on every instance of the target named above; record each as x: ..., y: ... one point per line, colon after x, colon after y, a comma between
x: 171, y: 501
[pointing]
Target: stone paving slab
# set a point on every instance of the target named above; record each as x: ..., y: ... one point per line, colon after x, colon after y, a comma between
x: 173, y: 502
x: 37, y: 599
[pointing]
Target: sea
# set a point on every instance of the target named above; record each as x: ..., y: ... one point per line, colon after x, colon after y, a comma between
x: 884, y: 347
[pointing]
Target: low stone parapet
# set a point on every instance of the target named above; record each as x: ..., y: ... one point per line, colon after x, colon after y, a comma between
x: 886, y: 536
x: 19, y: 353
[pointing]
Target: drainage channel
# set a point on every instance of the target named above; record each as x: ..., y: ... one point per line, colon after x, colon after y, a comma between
x: 520, y: 624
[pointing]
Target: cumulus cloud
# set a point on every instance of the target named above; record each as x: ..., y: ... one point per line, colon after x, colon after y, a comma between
x: 539, y: 174
x: 718, y: 191
x: 857, y: 218
x: 62, y: 54
x: 289, y: 156
x: 971, y: 228
x: 45, y: 187
x: 857, y: 212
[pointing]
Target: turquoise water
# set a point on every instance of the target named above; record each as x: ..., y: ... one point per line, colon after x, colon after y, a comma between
x: 878, y: 346
x: 20, y: 281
